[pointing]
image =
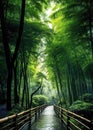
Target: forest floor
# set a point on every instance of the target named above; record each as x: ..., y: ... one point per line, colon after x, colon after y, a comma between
x: 3, y: 111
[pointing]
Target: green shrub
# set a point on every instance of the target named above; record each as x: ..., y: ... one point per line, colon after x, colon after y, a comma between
x: 81, y: 105
x: 16, y: 109
x: 39, y: 100
x: 87, y: 97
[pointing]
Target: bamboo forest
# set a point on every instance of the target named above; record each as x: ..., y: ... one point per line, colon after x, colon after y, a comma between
x: 46, y: 57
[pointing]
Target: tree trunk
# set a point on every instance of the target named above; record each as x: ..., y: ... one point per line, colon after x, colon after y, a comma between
x: 9, y: 82
x: 56, y: 80
x: 59, y: 78
x: 7, y: 55
x: 33, y: 95
x: 90, y: 25
x: 20, y: 79
x: 16, y: 97
x: 69, y: 84
x: 20, y: 31
x: 10, y: 61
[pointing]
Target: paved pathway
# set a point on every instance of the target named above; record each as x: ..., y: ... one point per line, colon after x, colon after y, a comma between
x: 47, y: 121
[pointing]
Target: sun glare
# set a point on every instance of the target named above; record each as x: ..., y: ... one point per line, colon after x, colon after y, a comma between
x: 49, y: 11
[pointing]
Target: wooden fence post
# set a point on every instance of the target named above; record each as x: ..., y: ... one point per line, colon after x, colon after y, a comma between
x: 61, y: 114
x: 35, y: 114
x: 30, y: 116
x: 16, y: 125
x: 41, y: 109
x: 91, y: 125
x: 68, y: 121
x: 38, y: 112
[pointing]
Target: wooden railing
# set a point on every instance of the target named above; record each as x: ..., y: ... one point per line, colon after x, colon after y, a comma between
x: 17, y: 121
x: 72, y: 120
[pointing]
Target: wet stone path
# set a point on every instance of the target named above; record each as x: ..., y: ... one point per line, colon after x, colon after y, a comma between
x: 47, y: 121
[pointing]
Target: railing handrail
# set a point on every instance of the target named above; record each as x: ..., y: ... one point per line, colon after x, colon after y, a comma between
x: 14, y: 120
x: 67, y: 117
x: 74, y: 114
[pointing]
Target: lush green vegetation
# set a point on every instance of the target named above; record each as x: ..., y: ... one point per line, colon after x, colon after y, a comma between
x: 39, y: 100
x: 46, y: 50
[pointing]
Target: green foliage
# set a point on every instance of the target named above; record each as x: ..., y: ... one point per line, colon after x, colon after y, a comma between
x: 81, y: 106
x: 39, y: 100
x: 16, y: 109
x: 61, y: 103
x: 89, y: 69
x: 70, y: 51
x: 87, y: 97
x: 66, y: 50
x: 85, y: 104
x: 41, y: 76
